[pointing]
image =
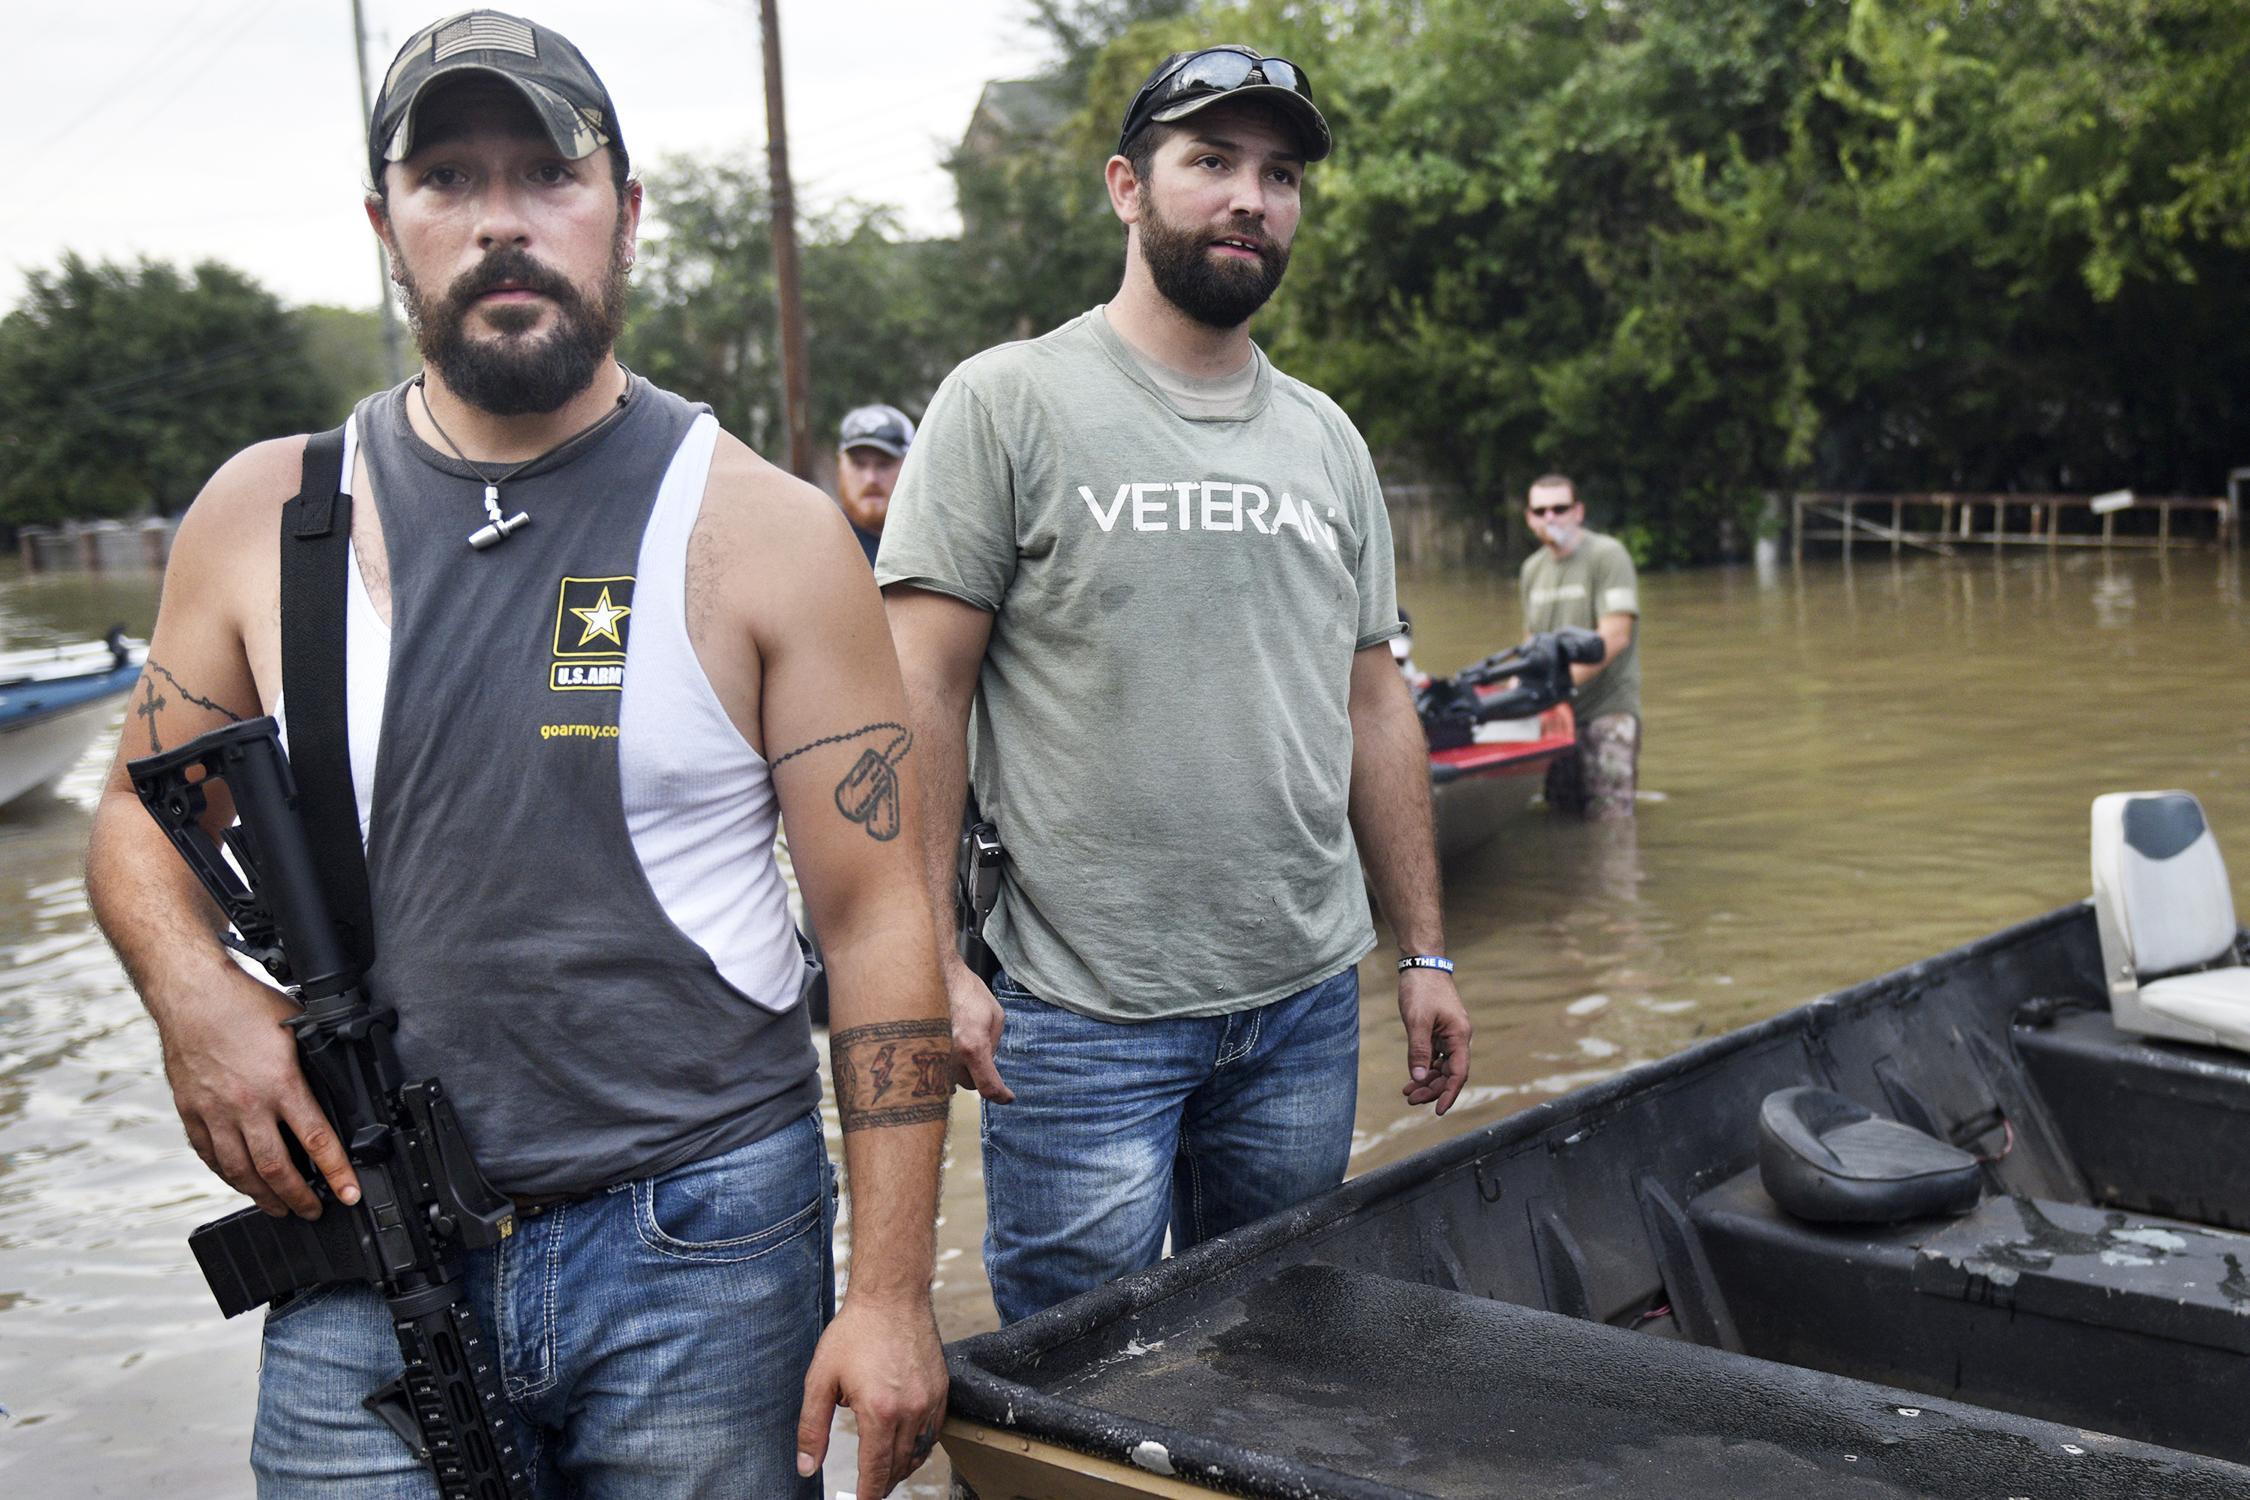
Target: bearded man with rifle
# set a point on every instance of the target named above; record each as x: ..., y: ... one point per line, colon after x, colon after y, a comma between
x: 552, y: 652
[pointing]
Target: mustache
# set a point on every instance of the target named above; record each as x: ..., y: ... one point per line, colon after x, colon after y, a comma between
x: 509, y: 266
x: 1257, y: 239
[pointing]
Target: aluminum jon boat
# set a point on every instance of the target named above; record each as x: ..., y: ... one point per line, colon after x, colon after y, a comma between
x: 54, y: 701
x: 1976, y: 1228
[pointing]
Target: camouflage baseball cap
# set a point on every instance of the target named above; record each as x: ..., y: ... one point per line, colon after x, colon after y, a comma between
x: 552, y: 75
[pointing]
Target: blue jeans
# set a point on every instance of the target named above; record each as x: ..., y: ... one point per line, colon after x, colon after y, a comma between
x: 1122, y: 1130
x: 653, y: 1341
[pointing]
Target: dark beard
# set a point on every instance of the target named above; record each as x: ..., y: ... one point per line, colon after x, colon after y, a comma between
x: 1216, y: 293
x: 514, y: 375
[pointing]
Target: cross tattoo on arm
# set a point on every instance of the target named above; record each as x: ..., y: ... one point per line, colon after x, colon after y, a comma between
x: 153, y: 703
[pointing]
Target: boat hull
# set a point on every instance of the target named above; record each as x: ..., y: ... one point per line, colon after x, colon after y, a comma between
x: 1475, y: 789
x: 46, y: 727
x: 1593, y: 1296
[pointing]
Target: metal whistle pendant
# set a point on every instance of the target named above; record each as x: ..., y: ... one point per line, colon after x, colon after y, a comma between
x: 496, y: 530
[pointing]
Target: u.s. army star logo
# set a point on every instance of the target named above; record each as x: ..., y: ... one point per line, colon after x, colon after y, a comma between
x: 592, y: 626
x: 602, y: 620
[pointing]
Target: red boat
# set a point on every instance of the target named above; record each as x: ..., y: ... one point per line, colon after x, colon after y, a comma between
x: 1475, y: 786
x: 1495, y: 725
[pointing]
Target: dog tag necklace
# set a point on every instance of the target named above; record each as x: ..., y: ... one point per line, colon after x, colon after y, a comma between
x: 499, y: 525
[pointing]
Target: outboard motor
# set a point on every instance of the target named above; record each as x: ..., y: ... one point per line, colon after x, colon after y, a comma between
x: 1452, y: 707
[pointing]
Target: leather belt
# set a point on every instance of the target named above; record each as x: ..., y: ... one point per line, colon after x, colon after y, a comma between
x: 531, y: 1205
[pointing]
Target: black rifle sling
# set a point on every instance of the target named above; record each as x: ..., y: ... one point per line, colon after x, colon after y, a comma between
x: 316, y: 533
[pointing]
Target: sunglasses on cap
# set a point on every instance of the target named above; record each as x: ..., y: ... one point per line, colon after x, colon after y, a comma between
x: 1188, y: 82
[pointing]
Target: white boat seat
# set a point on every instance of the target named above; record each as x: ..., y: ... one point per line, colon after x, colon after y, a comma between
x: 2165, y: 914
x: 2214, y: 1000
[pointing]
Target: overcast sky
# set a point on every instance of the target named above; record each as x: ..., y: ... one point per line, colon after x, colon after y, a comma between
x: 186, y: 129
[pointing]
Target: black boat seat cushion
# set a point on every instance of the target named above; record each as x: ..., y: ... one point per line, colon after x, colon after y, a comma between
x: 1828, y: 1160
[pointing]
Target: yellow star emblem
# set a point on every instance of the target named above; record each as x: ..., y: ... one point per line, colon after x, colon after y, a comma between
x: 601, y: 619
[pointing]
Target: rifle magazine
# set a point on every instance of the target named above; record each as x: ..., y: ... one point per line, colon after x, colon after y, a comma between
x: 250, y: 1258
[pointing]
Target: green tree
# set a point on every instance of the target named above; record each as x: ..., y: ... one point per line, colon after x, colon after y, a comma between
x: 704, y: 320
x: 123, y: 387
x: 346, y: 345
x: 1039, y: 244
x: 1689, y: 253
x: 2061, y: 184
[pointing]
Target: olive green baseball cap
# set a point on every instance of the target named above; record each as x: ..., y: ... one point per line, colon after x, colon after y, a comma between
x: 552, y: 75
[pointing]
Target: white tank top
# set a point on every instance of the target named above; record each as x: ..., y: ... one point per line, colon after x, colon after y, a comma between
x: 699, y: 803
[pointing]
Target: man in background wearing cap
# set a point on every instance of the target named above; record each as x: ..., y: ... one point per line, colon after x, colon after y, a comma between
x: 1578, y: 576
x: 571, y: 890
x: 869, y: 449
x: 1161, y: 570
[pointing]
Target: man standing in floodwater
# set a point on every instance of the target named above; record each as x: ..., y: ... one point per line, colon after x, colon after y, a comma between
x: 589, y: 646
x: 870, y: 446
x: 1161, y: 570
x: 1581, y: 577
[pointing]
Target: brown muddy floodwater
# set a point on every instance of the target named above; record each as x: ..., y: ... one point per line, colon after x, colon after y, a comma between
x: 1846, y: 769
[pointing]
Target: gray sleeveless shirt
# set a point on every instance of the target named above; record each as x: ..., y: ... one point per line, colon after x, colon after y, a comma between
x: 583, y: 1036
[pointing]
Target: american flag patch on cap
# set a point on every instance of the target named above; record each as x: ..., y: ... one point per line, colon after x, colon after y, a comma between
x: 483, y: 32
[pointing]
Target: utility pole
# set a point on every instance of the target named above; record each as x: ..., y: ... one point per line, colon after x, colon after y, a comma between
x: 796, y: 374
x: 382, y: 262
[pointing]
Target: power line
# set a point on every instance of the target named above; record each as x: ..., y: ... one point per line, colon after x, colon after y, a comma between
x: 185, y: 390
x: 254, y: 12
x: 882, y: 157
x: 192, y: 365
x: 122, y: 88
x: 192, y: 390
x: 861, y: 187
x: 199, y: 52
x: 870, y: 128
x: 866, y: 126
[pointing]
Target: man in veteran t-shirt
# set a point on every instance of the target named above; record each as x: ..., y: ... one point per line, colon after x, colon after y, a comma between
x: 1161, y: 570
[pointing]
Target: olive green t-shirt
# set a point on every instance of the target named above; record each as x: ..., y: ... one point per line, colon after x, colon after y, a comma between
x: 1161, y: 728
x: 1596, y: 579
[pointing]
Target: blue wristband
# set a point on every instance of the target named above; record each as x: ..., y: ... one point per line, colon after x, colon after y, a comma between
x: 1426, y: 961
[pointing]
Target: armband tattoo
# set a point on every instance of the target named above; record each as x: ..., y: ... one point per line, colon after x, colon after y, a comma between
x: 892, y: 1073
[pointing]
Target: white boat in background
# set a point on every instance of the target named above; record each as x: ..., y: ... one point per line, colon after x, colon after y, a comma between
x: 54, y: 701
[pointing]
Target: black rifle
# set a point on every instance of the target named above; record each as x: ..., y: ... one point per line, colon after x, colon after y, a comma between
x: 421, y: 1195
x: 976, y: 888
